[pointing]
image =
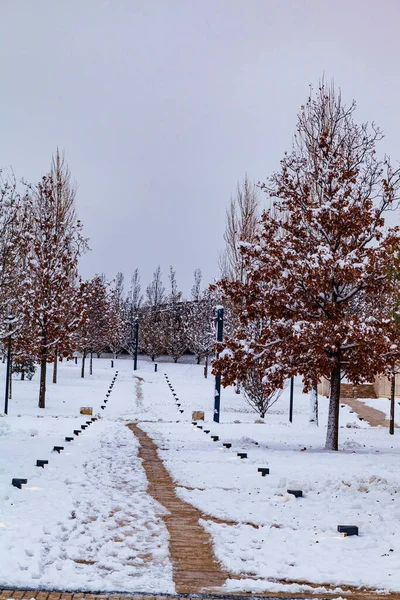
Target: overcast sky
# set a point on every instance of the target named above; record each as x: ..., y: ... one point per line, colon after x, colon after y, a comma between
x: 162, y: 105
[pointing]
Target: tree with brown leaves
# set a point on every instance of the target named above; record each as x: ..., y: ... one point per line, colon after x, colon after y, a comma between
x: 51, y: 301
x: 321, y: 248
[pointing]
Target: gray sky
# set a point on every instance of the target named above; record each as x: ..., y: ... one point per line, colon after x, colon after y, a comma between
x: 162, y: 105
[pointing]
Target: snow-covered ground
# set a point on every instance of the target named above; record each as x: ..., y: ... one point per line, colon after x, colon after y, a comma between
x: 277, y: 536
x: 85, y: 521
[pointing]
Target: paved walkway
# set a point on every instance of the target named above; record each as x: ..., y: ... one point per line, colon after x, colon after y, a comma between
x: 353, y: 594
x: 371, y: 415
x: 350, y: 395
x: 195, y: 568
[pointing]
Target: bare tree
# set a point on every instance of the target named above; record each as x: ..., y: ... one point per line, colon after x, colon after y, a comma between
x: 116, y: 315
x: 242, y: 218
x: 133, y: 303
x: 200, y: 321
x: 256, y: 393
x: 151, y: 335
x: 173, y: 320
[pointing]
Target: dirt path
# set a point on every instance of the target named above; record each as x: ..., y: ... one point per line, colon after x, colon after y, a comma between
x: 195, y: 568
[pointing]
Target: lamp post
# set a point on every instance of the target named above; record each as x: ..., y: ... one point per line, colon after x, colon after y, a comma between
x: 217, y: 390
x: 136, y: 343
x: 291, y: 400
x: 8, y: 369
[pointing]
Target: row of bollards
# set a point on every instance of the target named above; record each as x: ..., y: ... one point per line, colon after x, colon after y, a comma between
x: 18, y: 482
x: 178, y: 404
x: 242, y: 455
x: 347, y: 530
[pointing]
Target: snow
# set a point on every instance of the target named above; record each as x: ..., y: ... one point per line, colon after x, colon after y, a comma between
x: 86, y: 521
x: 269, y: 534
x: 383, y: 404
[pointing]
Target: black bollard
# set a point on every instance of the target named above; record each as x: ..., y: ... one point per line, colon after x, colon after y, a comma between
x: 18, y: 482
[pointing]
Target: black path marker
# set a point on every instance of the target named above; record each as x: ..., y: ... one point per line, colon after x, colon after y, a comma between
x: 58, y: 449
x: 18, y: 482
x: 263, y: 470
x: 348, y: 530
x: 296, y: 493
x: 41, y: 463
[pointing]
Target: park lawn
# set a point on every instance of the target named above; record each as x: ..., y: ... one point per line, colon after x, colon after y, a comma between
x: 86, y: 522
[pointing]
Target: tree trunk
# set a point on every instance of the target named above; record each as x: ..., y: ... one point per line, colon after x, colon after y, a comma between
x: 91, y: 364
x: 152, y: 357
x: 10, y: 388
x: 198, y: 359
x: 22, y: 375
x: 206, y: 367
x: 55, y: 365
x: 42, y: 387
x: 314, y: 404
x: 83, y: 364
x: 175, y: 360
x: 237, y: 388
x: 392, y: 404
x: 332, y: 433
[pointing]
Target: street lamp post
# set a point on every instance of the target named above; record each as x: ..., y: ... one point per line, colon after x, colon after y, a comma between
x: 217, y: 390
x: 8, y: 369
x: 291, y: 400
x: 136, y: 343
